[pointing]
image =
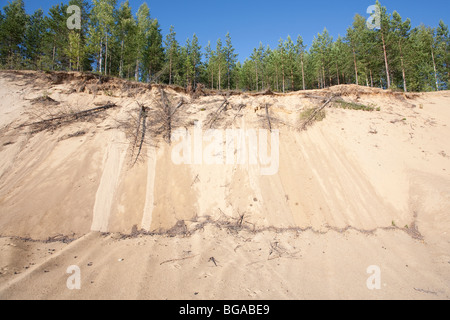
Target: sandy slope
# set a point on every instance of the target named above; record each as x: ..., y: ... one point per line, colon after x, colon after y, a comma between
x: 355, y: 190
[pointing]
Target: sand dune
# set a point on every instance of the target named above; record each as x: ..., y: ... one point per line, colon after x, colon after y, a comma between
x: 355, y: 190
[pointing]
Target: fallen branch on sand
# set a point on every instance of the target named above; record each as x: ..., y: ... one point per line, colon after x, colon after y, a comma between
x: 268, y: 117
x: 167, y: 113
x: 143, y: 116
x: 222, y: 107
x: 174, y: 260
x: 213, y: 260
x: 52, y: 122
x: 241, y: 106
x: 316, y: 111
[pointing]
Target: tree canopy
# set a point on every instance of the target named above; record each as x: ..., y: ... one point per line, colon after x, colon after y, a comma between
x: 112, y: 41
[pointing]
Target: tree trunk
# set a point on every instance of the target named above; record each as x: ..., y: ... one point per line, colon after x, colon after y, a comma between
x: 257, y: 79
x: 136, y: 71
x: 170, y: 71
x: 435, y: 71
x: 100, y: 69
x: 403, y: 68
x: 106, y: 57
x: 323, y: 74
x: 371, y: 78
x: 356, y: 66
x: 121, y: 60
x: 262, y: 80
x: 229, y: 83
x: 78, y: 53
x: 53, y: 58
x: 337, y: 74
x: 303, y: 75
x: 70, y: 58
x: 278, y: 83
x: 78, y: 57
x: 292, y: 80
x: 220, y: 77
x: 388, y: 77
x: 404, y: 75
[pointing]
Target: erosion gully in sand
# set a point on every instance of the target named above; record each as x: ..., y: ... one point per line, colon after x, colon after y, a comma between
x: 88, y: 178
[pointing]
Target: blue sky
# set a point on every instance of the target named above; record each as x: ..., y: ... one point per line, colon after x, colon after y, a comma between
x: 252, y: 21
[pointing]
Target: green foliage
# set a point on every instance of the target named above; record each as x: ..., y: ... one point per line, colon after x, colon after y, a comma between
x: 33, y: 46
x: 12, y: 31
x: 113, y: 41
x: 307, y: 114
x: 353, y: 106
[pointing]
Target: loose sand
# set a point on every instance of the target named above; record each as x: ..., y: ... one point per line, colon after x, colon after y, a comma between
x: 355, y: 190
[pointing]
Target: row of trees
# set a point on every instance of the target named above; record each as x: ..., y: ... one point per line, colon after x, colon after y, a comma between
x: 115, y: 42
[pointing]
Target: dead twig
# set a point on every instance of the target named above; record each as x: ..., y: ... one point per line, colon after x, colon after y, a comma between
x: 213, y: 260
x: 143, y: 115
x: 44, y: 124
x: 167, y: 115
x: 313, y: 115
x: 195, y: 180
x: 174, y: 260
x: 268, y: 117
x: 241, y: 106
x: 138, y: 127
x: 219, y: 111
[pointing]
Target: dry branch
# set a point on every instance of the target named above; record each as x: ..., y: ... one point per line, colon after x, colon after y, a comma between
x: 173, y: 260
x: 177, y: 107
x: 268, y: 117
x: 138, y: 126
x: 313, y: 115
x: 143, y: 115
x: 44, y: 124
x: 219, y: 111
x: 163, y: 116
x: 241, y: 106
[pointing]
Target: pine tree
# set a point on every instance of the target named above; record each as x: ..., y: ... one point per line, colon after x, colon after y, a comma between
x: 12, y: 33
x: 77, y: 38
x: 102, y: 24
x: 300, y: 52
x: 338, y: 57
x: 384, y: 33
x: 2, y: 43
x: 353, y: 40
x: 209, y: 57
x: 144, y: 24
x: 230, y: 58
x: 422, y: 74
x: 125, y: 33
x: 186, y: 63
x: 289, y: 48
x: 154, y: 53
x: 220, y: 63
x: 321, y: 48
x: 443, y: 54
x: 57, y: 37
x: 33, y: 46
x: 247, y: 75
x: 400, y: 34
x: 172, y: 48
x: 195, y: 59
